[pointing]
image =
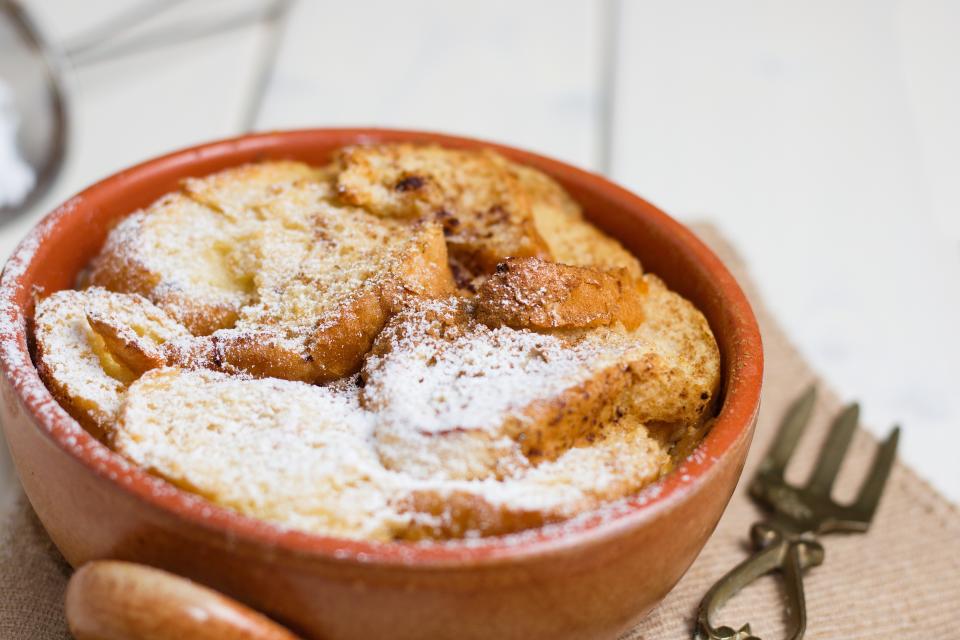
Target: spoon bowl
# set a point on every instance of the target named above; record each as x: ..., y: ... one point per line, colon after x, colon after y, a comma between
x: 34, y: 114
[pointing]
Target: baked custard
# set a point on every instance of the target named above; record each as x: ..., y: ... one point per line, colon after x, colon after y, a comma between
x: 409, y: 343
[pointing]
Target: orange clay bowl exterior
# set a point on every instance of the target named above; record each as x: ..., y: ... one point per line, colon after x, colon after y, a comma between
x: 590, y: 578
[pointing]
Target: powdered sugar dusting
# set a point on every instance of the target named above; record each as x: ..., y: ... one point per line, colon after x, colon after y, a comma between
x: 284, y: 451
x: 304, y: 457
x: 307, y: 457
x: 475, y: 380
x: 70, y: 362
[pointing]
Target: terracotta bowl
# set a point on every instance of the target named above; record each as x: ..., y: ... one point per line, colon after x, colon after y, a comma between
x: 592, y: 578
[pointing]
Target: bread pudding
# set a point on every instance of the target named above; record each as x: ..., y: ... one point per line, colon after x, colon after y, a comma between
x: 409, y: 343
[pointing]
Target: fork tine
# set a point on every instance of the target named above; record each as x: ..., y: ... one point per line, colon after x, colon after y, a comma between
x: 788, y: 435
x: 873, y: 486
x: 833, y: 451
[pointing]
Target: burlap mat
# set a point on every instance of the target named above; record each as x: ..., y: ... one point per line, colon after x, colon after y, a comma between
x: 901, y: 580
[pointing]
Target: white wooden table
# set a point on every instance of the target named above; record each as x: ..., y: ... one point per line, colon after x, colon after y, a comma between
x: 822, y: 137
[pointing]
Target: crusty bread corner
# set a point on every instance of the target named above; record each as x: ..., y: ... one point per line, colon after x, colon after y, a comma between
x: 485, y: 211
x: 622, y: 460
x: 529, y: 293
x: 82, y: 371
x: 313, y: 282
x: 678, y: 379
x: 202, y: 252
x: 241, y: 192
x: 221, y: 436
x: 571, y: 239
x: 181, y: 255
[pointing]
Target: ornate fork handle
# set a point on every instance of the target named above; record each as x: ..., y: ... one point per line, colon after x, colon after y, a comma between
x: 776, y: 549
x: 786, y: 544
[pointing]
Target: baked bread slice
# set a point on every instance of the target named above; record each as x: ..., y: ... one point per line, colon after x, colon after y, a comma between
x: 316, y: 325
x: 86, y: 376
x: 251, y: 189
x: 299, y: 455
x: 529, y: 293
x: 485, y: 211
x: 460, y: 400
x: 622, y: 460
x: 204, y: 253
x: 318, y: 280
x: 685, y: 350
x: 677, y: 378
x: 285, y: 452
x: 626, y: 425
x: 571, y: 238
x: 182, y: 255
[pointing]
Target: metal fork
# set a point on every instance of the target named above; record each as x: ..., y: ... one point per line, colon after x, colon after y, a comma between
x: 786, y: 540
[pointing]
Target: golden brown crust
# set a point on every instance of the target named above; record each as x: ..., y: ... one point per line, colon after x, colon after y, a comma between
x: 457, y: 514
x: 318, y: 281
x: 546, y: 428
x: 528, y: 293
x: 261, y: 354
x: 489, y: 401
x: 337, y: 349
x: 571, y: 239
x: 618, y: 462
x: 78, y: 364
x: 335, y: 344
x: 484, y: 210
x: 666, y: 376
x: 243, y: 191
x: 422, y: 271
x: 183, y: 257
x: 678, y: 380
x: 136, y: 352
x: 90, y: 416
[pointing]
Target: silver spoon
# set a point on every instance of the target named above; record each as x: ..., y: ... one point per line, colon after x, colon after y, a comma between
x: 32, y: 148
x: 34, y: 84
